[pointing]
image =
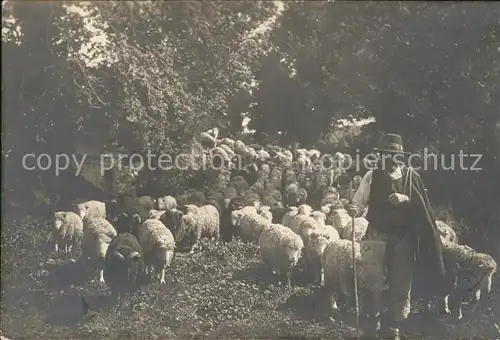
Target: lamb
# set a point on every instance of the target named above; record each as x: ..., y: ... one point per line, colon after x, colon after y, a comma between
x: 314, y: 249
x: 280, y: 249
x: 166, y: 203
x: 338, y: 275
x: 156, y: 214
x: 481, y: 265
x: 250, y: 226
x: 91, y: 209
x: 97, y: 235
x: 447, y: 233
x: 123, y: 264
x: 266, y: 212
x: 360, y: 226
x: 68, y: 231
x: 158, y: 246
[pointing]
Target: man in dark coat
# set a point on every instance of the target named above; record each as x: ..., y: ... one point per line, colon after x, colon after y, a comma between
x: 399, y: 213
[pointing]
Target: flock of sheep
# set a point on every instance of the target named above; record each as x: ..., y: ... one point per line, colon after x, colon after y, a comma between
x: 291, y: 208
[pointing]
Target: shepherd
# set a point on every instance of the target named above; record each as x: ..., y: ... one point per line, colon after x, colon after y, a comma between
x: 399, y: 213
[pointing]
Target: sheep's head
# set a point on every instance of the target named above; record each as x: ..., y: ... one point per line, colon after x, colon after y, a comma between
x: 59, y: 219
x: 82, y: 211
x: 257, y: 205
x: 304, y: 209
x: 236, y: 217
x: 326, y: 209
x: 337, y: 205
x: 318, y: 216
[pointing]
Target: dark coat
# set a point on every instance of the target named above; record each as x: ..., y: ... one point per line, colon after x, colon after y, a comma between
x: 415, y: 219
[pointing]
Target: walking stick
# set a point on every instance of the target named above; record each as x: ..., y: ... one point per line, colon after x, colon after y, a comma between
x: 356, y: 304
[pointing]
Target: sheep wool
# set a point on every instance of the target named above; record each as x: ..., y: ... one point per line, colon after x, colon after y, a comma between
x: 91, y: 209
x: 209, y: 221
x: 360, y: 226
x: 68, y: 231
x: 319, y: 217
x: 158, y: 245
x: 280, y: 249
x: 482, y: 265
x: 197, y: 223
x: 123, y: 264
x: 250, y: 227
x: 97, y: 235
x: 266, y: 213
x: 314, y: 249
x: 339, y: 218
x: 166, y: 203
x: 447, y: 233
x: 338, y: 272
x: 303, y: 213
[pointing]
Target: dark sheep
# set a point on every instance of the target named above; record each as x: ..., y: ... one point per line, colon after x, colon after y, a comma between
x: 124, y: 264
x: 278, y: 214
x: 172, y: 220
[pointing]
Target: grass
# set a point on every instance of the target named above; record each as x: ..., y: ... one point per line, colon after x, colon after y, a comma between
x: 220, y: 292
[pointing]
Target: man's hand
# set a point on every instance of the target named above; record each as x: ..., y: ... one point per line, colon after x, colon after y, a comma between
x: 396, y: 199
x: 352, y: 209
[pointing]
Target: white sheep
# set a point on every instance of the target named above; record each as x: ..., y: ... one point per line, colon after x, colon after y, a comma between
x: 330, y: 196
x: 360, y: 227
x: 158, y: 246
x: 166, y: 203
x: 156, y: 214
x: 287, y: 218
x: 280, y: 249
x: 250, y: 226
x: 91, y: 209
x: 228, y: 142
x: 199, y: 222
x: 482, y: 266
x: 68, y: 231
x: 319, y: 217
x: 207, y: 139
x: 303, y: 212
x: 337, y: 264
x: 236, y: 215
x: 338, y: 217
x: 97, y: 234
x: 314, y: 249
x: 265, y: 212
x: 446, y: 232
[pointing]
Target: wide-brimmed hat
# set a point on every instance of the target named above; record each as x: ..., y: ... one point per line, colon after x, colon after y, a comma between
x: 391, y: 143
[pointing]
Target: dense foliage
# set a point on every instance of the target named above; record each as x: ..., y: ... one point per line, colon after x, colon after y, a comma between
x: 165, y: 71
